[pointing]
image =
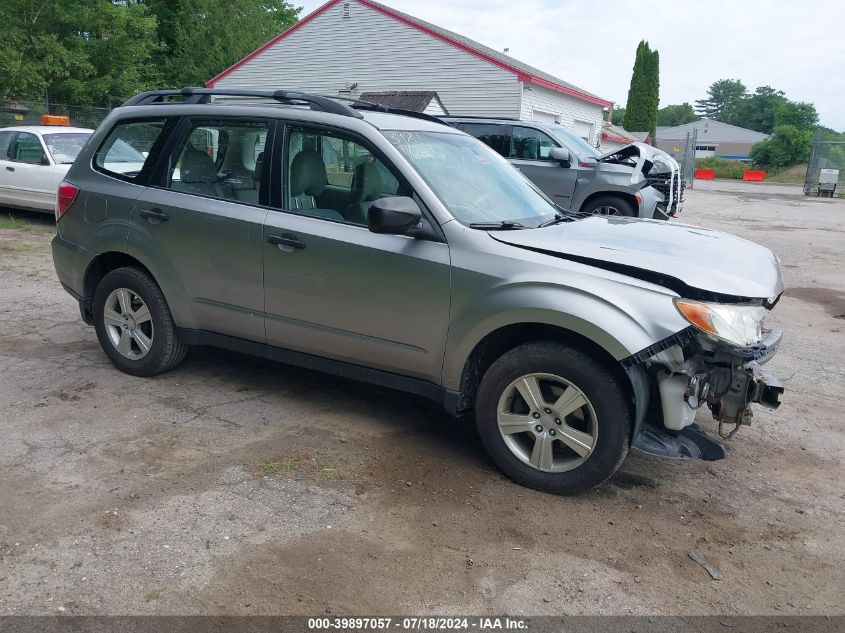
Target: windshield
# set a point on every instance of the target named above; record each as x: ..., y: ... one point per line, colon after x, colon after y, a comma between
x: 475, y: 183
x: 65, y: 147
x: 581, y: 146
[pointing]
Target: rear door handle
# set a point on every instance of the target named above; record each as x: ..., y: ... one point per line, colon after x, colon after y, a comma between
x: 8, y: 168
x: 286, y: 242
x: 154, y: 216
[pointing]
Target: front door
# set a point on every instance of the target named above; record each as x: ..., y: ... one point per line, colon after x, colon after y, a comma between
x: 529, y: 153
x: 26, y: 179
x: 333, y: 288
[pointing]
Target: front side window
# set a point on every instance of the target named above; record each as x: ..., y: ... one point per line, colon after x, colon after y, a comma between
x: 490, y: 134
x: 582, y: 147
x: 331, y: 176
x: 64, y: 148
x: 475, y: 183
x: 220, y: 159
x: 27, y: 149
x: 127, y: 148
x: 530, y: 144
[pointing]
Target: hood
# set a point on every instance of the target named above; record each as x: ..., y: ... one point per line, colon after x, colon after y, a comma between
x: 693, y: 261
x: 634, y: 150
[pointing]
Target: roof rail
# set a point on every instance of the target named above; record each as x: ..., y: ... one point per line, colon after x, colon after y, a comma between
x: 203, y: 95
x: 360, y: 104
x: 484, y: 118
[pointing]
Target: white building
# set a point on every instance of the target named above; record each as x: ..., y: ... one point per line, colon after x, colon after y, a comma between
x: 349, y: 47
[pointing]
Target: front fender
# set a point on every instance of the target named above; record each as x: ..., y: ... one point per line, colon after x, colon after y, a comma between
x: 620, y: 317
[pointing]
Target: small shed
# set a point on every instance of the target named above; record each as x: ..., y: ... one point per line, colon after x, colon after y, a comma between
x: 425, y: 101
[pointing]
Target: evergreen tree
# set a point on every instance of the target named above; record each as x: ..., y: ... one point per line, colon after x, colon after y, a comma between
x: 644, y: 93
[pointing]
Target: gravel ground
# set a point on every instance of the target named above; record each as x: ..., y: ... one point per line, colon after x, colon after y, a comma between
x: 234, y: 485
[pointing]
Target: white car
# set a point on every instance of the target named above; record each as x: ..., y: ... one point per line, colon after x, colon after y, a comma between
x: 33, y: 161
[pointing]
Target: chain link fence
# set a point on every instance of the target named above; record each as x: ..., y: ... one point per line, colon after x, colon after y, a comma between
x: 687, y: 160
x: 826, y: 166
x: 30, y: 113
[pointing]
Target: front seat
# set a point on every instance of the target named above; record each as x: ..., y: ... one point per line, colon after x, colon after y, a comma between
x: 308, y: 180
x: 366, y: 187
x: 197, y: 174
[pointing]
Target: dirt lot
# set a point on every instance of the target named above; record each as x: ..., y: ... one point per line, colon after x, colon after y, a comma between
x: 234, y: 485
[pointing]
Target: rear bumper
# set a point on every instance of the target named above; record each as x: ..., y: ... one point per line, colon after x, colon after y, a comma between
x: 71, y: 262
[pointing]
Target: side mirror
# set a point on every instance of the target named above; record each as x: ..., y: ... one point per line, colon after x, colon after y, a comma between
x: 560, y: 154
x: 393, y: 215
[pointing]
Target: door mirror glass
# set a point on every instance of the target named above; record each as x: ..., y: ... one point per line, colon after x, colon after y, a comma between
x: 560, y: 154
x: 394, y: 215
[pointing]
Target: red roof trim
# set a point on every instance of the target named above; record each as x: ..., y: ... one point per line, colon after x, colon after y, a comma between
x: 521, y: 75
x: 210, y: 83
x: 616, y: 139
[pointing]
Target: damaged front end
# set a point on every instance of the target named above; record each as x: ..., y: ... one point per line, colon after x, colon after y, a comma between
x: 695, y: 369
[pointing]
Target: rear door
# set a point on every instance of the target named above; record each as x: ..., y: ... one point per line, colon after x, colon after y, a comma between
x: 7, y: 168
x: 200, y: 224
x: 333, y: 288
x: 529, y: 152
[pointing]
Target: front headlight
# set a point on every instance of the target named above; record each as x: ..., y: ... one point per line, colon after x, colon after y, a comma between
x: 740, y: 325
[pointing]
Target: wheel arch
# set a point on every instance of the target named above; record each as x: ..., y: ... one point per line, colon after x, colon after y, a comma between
x: 624, y: 194
x: 97, y: 269
x: 492, y: 346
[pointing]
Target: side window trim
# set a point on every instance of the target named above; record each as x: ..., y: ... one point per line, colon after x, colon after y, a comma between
x: 13, y: 140
x: 144, y: 176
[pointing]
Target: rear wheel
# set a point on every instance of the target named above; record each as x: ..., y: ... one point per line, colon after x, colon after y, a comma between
x: 609, y: 205
x: 134, y: 324
x: 553, y: 418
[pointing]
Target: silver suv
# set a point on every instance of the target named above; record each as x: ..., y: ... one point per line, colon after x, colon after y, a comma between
x: 634, y: 181
x: 398, y: 251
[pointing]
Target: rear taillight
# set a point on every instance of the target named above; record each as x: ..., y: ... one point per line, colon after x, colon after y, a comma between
x: 65, y: 197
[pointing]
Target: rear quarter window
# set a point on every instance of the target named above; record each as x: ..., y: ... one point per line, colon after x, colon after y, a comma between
x: 130, y: 148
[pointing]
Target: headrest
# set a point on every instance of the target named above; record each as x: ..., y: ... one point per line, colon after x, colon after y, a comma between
x: 197, y: 166
x: 366, y: 182
x: 307, y: 174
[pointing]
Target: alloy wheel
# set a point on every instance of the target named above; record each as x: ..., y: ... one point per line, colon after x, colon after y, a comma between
x: 128, y: 323
x: 547, y: 422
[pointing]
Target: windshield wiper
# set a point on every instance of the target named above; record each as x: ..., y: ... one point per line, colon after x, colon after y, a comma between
x: 504, y: 225
x: 568, y: 216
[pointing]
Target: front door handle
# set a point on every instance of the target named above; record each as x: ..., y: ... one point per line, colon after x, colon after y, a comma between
x: 9, y: 168
x: 154, y: 216
x: 286, y: 242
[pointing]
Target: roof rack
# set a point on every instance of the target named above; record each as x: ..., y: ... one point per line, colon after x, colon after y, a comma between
x: 203, y: 95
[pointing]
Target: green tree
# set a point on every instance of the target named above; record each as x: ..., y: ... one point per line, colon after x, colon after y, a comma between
x: 644, y: 92
x: 200, y: 38
x: 722, y: 97
x: 672, y: 115
x: 797, y: 113
x: 618, y: 116
x: 79, y: 51
x: 788, y: 145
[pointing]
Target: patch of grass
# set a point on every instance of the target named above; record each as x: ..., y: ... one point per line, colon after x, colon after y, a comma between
x: 154, y: 595
x: 11, y: 222
x: 794, y: 175
x: 7, y: 267
x: 309, y: 466
x: 723, y: 167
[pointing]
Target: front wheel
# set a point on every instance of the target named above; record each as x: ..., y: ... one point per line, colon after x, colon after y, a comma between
x: 610, y: 205
x: 552, y: 418
x: 134, y: 324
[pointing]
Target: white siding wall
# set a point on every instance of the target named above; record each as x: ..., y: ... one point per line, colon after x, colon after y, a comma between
x: 568, y: 109
x: 378, y: 53
x: 610, y: 146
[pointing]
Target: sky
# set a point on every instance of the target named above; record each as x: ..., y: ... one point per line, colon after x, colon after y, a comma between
x: 780, y: 43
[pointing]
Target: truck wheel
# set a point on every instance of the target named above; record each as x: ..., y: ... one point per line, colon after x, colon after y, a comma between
x: 552, y: 418
x: 609, y: 205
x: 134, y: 324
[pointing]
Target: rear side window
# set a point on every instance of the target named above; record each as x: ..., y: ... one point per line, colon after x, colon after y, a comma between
x: 490, y: 134
x: 128, y: 147
x: 220, y: 159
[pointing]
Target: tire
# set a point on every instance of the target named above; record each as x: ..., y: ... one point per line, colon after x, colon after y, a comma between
x: 605, y: 418
x: 126, y: 291
x: 603, y: 205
